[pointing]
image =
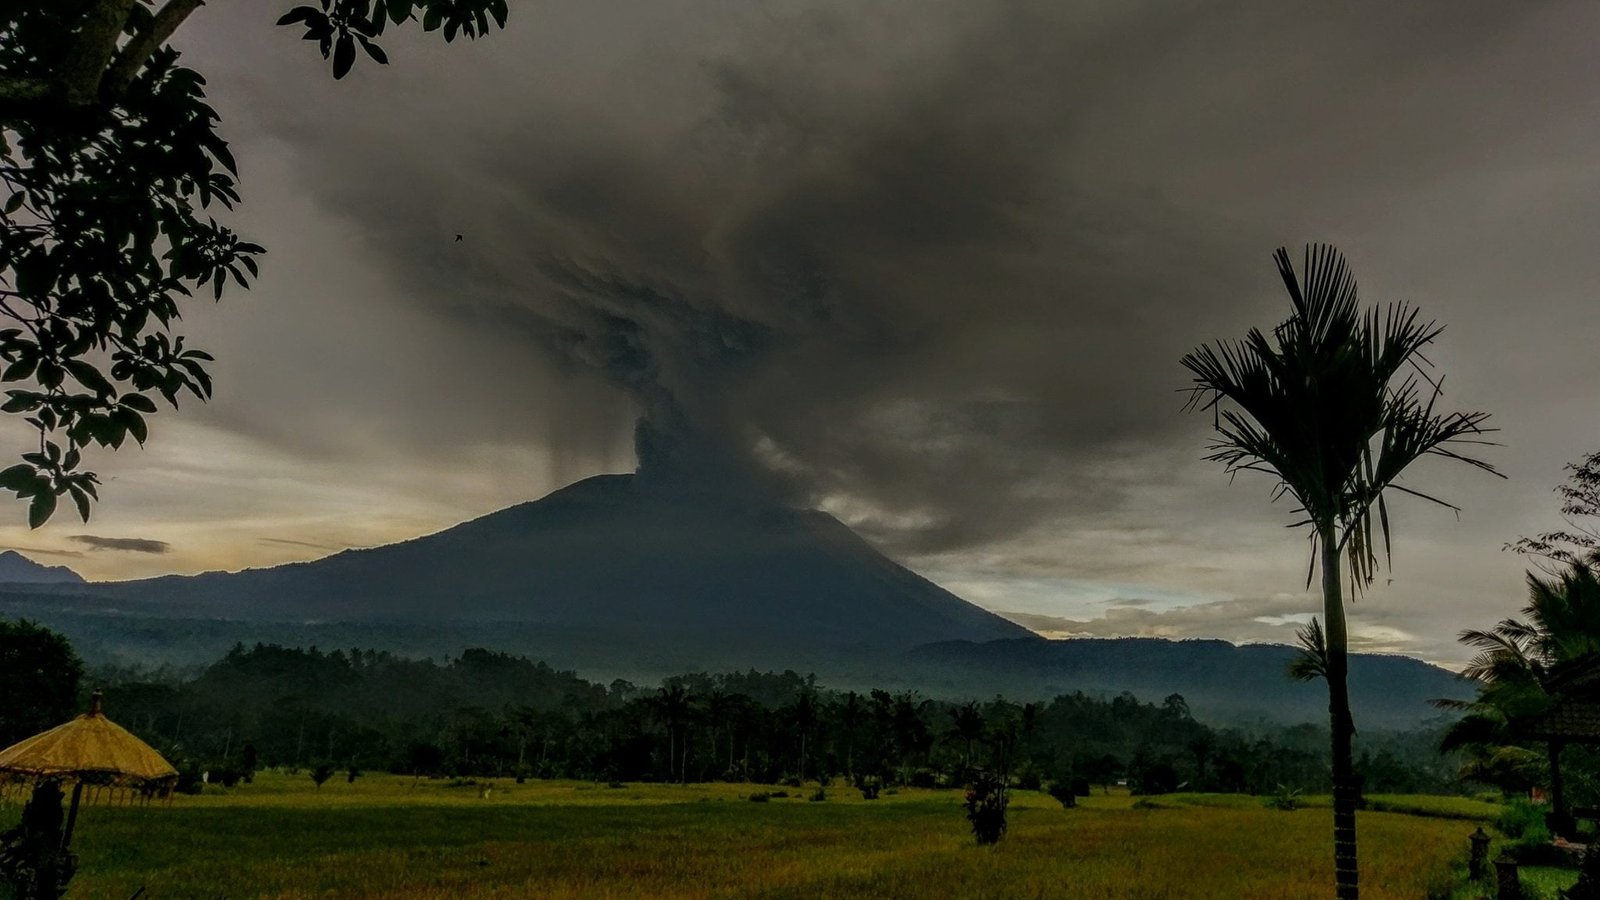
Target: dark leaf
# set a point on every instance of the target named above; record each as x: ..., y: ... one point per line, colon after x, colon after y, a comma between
x: 138, y: 402
x: 17, y: 478
x: 41, y: 508
x: 344, y: 55
x: 301, y: 14
x: 374, y: 51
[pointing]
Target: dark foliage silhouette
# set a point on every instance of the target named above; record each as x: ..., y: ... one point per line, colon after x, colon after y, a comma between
x: 41, y: 675
x: 986, y: 803
x: 111, y: 163
x: 33, y: 862
x: 1579, y: 542
x: 1513, y: 668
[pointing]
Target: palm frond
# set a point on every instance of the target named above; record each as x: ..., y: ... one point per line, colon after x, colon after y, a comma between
x: 1333, y: 404
x: 1312, y: 661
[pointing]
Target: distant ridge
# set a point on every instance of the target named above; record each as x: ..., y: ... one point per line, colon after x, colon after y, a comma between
x: 1224, y: 681
x: 619, y: 555
x: 18, y: 569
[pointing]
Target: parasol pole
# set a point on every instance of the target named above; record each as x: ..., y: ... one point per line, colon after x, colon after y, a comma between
x: 72, y: 814
x: 95, y: 702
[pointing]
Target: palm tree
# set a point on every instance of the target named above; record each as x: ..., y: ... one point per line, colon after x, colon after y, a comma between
x: 717, y: 707
x: 1332, y: 404
x: 1513, y: 669
x: 850, y: 712
x: 910, y: 733
x: 804, y: 715
x: 967, y: 725
x: 672, y: 706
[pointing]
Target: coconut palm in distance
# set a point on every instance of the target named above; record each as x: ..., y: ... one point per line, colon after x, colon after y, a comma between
x: 1335, y: 404
x: 1514, y: 667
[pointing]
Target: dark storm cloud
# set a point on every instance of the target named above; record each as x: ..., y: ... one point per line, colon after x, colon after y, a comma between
x: 130, y: 545
x: 930, y: 264
x: 833, y: 273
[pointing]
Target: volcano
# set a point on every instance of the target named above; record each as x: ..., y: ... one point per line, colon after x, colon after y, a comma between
x: 612, y: 554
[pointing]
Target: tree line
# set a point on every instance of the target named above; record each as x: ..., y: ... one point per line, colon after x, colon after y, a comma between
x: 489, y: 714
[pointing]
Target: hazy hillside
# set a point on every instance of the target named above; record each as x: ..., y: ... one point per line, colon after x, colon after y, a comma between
x: 1220, y: 680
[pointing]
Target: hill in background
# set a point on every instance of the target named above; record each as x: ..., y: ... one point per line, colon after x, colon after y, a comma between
x: 1224, y: 681
x: 18, y: 569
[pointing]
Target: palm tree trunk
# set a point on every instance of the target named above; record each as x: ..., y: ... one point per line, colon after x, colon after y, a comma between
x: 1558, y: 793
x: 1345, y: 869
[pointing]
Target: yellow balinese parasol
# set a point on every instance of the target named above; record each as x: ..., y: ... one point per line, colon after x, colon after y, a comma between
x: 91, y: 750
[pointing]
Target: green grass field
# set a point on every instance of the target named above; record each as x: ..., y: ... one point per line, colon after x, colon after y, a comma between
x: 388, y: 836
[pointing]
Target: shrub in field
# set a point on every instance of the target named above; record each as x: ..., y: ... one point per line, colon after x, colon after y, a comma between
x: 352, y: 775
x: 986, y: 808
x: 1153, y: 778
x: 191, y: 780
x: 760, y: 797
x: 321, y: 773
x: 1522, y: 819
x: 1029, y: 779
x: 227, y: 777
x: 869, y: 786
x: 1284, y: 798
x: 1523, y: 823
x: 1063, y: 792
x: 820, y: 795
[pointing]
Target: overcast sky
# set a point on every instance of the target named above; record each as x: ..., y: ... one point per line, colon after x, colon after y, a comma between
x: 929, y: 265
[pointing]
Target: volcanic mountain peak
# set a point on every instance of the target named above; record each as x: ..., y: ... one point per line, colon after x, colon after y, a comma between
x: 18, y: 569
x: 620, y: 554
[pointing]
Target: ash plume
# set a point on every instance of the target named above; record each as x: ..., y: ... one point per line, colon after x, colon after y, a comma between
x: 836, y: 261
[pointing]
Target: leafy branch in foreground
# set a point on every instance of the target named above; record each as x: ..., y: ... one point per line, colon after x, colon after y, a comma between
x: 1579, y: 542
x: 110, y: 169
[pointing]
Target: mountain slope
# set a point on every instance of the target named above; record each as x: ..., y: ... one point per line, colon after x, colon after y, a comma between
x: 18, y: 569
x: 612, y: 553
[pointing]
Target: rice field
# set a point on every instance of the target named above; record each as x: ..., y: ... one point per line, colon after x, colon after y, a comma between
x: 389, y: 836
